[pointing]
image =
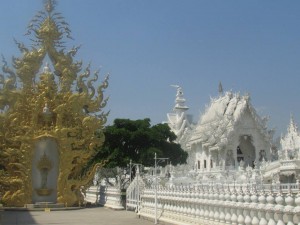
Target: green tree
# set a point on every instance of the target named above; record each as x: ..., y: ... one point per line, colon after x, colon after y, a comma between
x: 138, y: 141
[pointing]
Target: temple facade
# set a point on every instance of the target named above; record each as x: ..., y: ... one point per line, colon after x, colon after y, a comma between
x: 229, y: 135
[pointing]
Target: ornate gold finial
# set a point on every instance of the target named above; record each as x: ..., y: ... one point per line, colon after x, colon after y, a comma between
x: 49, y: 5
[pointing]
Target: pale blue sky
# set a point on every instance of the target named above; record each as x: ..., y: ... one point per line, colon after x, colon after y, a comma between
x: 250, y: 46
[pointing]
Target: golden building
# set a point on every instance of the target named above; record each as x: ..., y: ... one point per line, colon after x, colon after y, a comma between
x: 51, y: 118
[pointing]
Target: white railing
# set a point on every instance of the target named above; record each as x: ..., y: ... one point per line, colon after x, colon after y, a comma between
x: 133, y: 193
x: 217, y: 204
x: 108, y: 196
x: 92, y: 194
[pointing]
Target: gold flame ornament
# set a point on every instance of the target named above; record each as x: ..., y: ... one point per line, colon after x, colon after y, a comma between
x: 57, y: 100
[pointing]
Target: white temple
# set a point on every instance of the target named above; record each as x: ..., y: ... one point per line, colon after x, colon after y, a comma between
x: 228, y: 132
x: 229, y: 138
x: 234, y: 173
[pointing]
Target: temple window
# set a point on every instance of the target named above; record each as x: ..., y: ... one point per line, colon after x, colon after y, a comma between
x: 199, y: 164
x: 204, y: 164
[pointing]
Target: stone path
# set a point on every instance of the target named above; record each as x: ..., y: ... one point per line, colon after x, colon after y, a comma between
x: 88, y: 216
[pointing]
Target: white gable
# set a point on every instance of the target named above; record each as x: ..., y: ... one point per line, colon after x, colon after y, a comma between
x: 220, y: 118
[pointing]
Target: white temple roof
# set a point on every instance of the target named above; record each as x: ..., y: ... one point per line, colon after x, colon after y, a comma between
x: 219, y: 119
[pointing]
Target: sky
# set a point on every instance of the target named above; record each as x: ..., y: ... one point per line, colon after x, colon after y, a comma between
x: 249, y: 46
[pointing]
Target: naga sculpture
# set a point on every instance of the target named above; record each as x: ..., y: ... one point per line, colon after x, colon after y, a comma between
x: 36, y: 103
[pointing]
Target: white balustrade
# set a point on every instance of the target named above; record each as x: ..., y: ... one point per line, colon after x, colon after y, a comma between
x: 218, y: 204
x: 108, y: 196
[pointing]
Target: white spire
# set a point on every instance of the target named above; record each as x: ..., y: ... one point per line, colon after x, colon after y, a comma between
x: 291, y: 141
x: 178, y: 120
x: 220, y: 88
x: 293, y: 126
x: 180, y: 100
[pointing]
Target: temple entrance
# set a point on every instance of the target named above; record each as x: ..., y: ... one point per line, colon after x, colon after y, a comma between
x: 246, y: 151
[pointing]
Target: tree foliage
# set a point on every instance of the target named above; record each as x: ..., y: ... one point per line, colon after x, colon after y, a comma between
x: 138, y: 141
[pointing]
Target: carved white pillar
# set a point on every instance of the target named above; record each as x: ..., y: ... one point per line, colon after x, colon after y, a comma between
x: 223, y: 207
x: 188, y: 209
x: 240, y: 207
x: 297, y: 208
x: 191, y: 208
x: 211, y: 203
x: 228, y: 206
x: 180, y: 212
x: 177, y: 209
x: 270, y: 208
x: 233, y: 207
x: 205, y: 204
x: 197, y: 213
x: 201, y: 201
x: 206, y: 211
x: 217, y: 203
x: 279, y: 208
x: 254, y: 207
x: 262, y: 210
x: 247, y: 200
x: 183, y: 211
x: 289, y: 209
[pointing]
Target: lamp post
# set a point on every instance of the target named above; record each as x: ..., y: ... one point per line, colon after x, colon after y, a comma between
x: 155, y: 173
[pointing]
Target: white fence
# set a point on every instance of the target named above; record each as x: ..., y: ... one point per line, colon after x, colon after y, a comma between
x: 105, y: 195
x: 218, y: 204
x: 133, y: 193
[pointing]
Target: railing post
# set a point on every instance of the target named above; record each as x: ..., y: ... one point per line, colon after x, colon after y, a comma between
x: 247, y: 209
x: 279, y: 207
x: 261, y: 206
x: 233, y: 207
x: 297, y: 208
x: 270, y: 208
x: 254, y: 206
x: 289, y: 209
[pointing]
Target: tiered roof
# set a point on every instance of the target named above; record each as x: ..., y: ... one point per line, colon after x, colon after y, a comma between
x: 218, y: 122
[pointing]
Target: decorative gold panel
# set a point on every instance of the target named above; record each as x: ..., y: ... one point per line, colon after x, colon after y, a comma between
x: 58, y: 100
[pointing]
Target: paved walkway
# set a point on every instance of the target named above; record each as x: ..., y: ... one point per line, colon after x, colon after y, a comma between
x: 88, y: 216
